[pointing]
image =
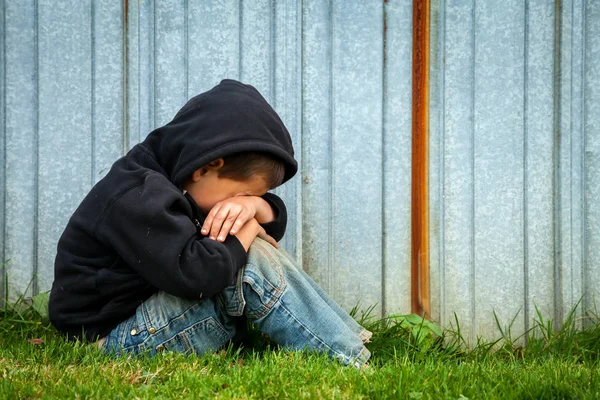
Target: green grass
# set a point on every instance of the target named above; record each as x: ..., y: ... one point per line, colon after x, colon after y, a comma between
x: 410, y: 360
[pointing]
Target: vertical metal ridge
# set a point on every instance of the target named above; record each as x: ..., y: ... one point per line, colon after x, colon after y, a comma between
x: 419, y: 190
x: 384, y: 82
x: 125, y: 72
x: 93, y: 90
x: 186, y: 47
x: 3, y: 278
x: 525, y: 169
x: 587, y: 306
x: 558, y: 297
x: 298, y: 114
x: 473, y: 98
x: 240, y: 39
x: 441, y: 156
x: 301, y: 215
x: 330, y: 252
x: 36, y: 140
x: 272, y: 58
x: 139, y: 76
x: 152, y: 97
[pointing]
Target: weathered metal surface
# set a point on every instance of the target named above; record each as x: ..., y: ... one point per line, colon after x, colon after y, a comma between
x: 397, y: 107
x: 62, y: 128
x: 590, y: 125
x: 20, y: 140
x: 2, y: 145
x: 420, y: 163
x: 514, y: 135
x: 512, y: 180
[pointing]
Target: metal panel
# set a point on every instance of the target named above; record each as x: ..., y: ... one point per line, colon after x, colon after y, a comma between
x: 64, y: 121
x: 590, y: 113
x: 170, y: 62
x: 571, y: 186
x: 397, y: 98
x: 539, y: 162
x: 2, y: 148
x: 62, y: 129
x: 451, y: 176
x: 515, y: 141
x: 356, y: 186
x: 513, y: 173
x: 271, y: 46
x: 316, y: 140
x: 107, y: 86
x: 213, y: 43
x: 287, y: 100
x: 21, y: 144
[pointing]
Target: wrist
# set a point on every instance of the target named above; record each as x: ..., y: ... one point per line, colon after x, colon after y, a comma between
x: 264, y: 211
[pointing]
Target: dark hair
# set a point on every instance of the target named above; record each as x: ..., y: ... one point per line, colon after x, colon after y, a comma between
x: 243, y: 166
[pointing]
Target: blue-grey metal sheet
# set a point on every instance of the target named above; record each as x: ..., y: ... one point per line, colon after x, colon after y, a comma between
x: 321, y: 66
x: 515, y: 141
x: 20, y: 130
x: 397, y: 148
x: 569, y: 230
x: 62, y: 129
x: 514, y: 126
x: 2, y: 145
x: 590, y: 114
x: 356, y: 153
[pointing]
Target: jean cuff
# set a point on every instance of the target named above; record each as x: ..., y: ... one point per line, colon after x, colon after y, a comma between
x: 362, y: 358
x: 365, y: 336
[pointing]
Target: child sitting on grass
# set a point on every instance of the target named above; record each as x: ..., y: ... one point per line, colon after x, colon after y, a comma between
x: 179, y: 241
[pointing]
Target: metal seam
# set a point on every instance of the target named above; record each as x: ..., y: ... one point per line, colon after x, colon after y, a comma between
x: 330, y: 250
x: 36, y: 140
x: 93, y: 91
x: 384, y: 82
x: 525, y: 169
x: 473, y: 214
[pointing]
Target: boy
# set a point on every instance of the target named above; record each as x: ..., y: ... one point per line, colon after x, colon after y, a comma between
x: 178, y: 242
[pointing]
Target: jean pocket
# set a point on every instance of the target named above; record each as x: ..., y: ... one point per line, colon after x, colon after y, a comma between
x: 202, y: 337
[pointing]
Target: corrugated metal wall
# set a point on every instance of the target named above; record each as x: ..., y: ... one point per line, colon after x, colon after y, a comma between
x: 515, y: 150
x: 515, y: 141
x: 81, y: 87
x: 320, y: 64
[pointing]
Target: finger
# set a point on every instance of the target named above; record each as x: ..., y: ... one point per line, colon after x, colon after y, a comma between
x: 263, y: 235
x: 232, y: 217
x: 209, y: 219
x: 218, y: 220
x: 241, y: 220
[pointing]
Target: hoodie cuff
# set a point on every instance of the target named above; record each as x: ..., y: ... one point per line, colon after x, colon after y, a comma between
x: 276, y: 228
x: 237, y: 252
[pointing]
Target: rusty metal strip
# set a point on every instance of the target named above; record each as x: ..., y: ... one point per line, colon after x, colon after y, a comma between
x: 420, y: 303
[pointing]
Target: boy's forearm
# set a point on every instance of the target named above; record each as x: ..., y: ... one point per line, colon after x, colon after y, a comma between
x: 264, y: 212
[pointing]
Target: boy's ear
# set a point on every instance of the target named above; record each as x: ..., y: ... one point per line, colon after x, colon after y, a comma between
x: 213, y: 165
x: 216, y: 164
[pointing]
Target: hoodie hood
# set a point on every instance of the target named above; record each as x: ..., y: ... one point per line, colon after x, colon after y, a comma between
x: 230, y: 118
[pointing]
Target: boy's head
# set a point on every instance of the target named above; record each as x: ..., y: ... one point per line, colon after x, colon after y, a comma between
x: 240, y: 174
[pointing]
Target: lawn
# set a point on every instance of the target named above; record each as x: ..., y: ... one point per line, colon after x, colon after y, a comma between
x: 410, y: 360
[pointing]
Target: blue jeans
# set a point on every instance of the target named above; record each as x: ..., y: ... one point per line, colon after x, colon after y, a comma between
x: 272, y: 292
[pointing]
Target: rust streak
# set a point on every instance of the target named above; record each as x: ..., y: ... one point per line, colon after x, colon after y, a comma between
x: 420, y: 113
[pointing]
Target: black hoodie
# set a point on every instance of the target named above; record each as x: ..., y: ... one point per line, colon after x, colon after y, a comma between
x: 136, y: 232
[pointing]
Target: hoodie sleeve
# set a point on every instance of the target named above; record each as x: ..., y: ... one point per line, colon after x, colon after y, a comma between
x: 276, y: 228
x: 150, y: 227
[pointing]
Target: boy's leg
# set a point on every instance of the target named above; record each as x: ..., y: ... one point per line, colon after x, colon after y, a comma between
x: 283, y: 302
x: 364, y: 334
x: 165, y: 322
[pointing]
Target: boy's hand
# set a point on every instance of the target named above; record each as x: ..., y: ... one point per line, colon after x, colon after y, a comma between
x: 228, y: 216
x: 250, y: 231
